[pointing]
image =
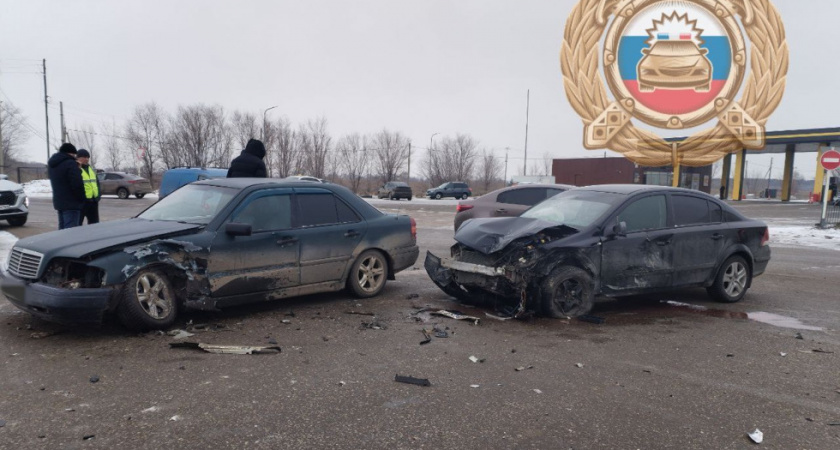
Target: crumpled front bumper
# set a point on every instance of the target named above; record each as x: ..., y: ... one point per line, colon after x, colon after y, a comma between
x: 457, y: 277
x: 53, y: 304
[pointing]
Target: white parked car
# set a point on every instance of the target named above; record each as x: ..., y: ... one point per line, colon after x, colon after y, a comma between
x: 14, y: 206
x: 305, y: 178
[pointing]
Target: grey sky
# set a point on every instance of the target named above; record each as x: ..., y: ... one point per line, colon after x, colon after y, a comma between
x: 420, y: 67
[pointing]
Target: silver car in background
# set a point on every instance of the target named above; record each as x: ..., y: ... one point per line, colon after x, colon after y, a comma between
x: 506, y: 202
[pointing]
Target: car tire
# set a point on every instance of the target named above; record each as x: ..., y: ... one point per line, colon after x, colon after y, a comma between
x: 567, y: 292
x: 438, y: 196
x: 139, y: 195
x: 148, y: 301
x: 122, y: 193
x: 409, y: 198
x: 390, y: 196
x: 368, y: 274
x: 18, y: 221
x: 732, y: 280
x: 464, y: 196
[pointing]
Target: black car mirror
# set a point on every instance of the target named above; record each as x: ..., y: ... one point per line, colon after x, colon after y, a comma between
x: 238, y: 229
x: 620, y: 229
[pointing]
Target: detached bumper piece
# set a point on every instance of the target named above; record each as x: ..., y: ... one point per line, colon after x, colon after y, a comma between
x: 53, y: 304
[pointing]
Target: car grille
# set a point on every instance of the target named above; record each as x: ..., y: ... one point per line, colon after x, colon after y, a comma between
x: 24, y: 263
x: 8, y: 198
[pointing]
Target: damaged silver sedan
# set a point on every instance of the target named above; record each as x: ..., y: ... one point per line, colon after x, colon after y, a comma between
x: 208, y: 245
x: 611, y: 240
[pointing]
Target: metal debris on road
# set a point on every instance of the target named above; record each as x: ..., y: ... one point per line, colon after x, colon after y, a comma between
x: 227, y: 349
x: 538, y: 391
x: 412, y: 380
x: 592, y: 319
x: 819, y: 350
x: 426, y: 337
x: 88, y: 437
x: 440, y: 333
x: 473, y: 359
x: 374, y: 325
x: 757, y: 436
x: 455, y: 315
x: 94, y: 379
x: 521, y: 368
x: 360, y: 313
x: 579, y: 365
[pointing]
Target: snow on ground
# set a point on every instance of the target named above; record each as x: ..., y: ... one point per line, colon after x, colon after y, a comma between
x: 804, y: 236
x: 418, y: 200
x: 38, y: 189
x: 7, y: 240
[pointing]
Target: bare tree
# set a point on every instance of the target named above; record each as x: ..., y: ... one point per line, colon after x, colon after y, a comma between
x: 354, y: 159
x: 85, y: 137
x: 489, y: 169
x: 146, y: 131
x: 14, y: 133
x: 315, y: 146
x: 546, y: 164
x: 391, y: 149
x: 244, y: 126
x: 453, y: 160
x: 198, y: 137
x: 114, y: 152
x: 285, y: 156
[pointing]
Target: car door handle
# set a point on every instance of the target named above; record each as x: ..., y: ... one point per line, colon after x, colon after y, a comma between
x: 717, y: 236
x: 286, y: 241
x: 351, y: 233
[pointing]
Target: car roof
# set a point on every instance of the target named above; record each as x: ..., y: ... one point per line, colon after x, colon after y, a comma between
x: 241, y: 183
x: 628, y: 189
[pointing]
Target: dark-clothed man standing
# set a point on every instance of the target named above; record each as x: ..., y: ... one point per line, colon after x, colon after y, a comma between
x: 250, y: 162
x: 67, y: 187
x: 90, y: 210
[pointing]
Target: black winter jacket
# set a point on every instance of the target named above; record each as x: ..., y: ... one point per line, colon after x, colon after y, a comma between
x: 66, y: 180
x: 249, y: 164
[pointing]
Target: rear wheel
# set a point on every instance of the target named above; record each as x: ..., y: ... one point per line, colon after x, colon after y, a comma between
x: 18, y: 221
x: 438, y: 196
x: 122, y: 193
x: 464, y: 196
x: 139, y: 195
x: 409, y: 198
x: 368, y: 274
x: 567, y: 292
x: 148, y: 301
x: 732, y: 281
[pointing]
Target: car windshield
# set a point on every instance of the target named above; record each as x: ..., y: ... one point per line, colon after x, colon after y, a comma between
x: 575, y: 208
x: 442, y: 186
x: 192, y: 203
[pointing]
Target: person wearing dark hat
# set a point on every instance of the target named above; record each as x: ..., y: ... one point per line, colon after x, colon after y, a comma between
x: 68, y: 190
x: 250, y: 162
x: 90, y: 210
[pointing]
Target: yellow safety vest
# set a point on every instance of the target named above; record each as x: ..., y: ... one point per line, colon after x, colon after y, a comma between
x: 89, y: 178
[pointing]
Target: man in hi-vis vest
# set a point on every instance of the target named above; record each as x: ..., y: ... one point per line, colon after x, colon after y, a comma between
x: 90, y: 210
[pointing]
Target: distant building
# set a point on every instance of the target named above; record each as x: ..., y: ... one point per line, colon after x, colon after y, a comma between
x: 618, y: 170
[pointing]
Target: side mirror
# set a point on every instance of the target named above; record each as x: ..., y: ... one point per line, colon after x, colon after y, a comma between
x: 238, y: 229
x: 620, y: 229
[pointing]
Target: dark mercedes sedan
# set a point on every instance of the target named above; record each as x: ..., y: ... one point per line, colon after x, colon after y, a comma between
x: 208, y: 245
x: 611, y: 240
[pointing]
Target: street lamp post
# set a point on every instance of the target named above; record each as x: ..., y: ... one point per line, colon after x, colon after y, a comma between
x: 430, y: 141
x: 262, y: 134
x: 507, y: 149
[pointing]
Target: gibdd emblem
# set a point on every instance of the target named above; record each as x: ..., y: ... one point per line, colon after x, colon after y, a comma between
x: 674, y: 64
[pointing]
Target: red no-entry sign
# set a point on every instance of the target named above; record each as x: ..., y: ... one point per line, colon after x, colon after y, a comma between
x: 830, y: 160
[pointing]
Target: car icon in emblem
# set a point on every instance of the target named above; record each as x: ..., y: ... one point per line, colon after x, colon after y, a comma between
x: 675, y: 64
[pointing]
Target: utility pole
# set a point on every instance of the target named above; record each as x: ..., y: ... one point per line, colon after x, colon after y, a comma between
x: 2, y: 150
x: 46, y: 110
x: 769, y: 174
x: 506, y: 160
x: 409, y: 163
x: 527, y: 110
x: 63, y: 128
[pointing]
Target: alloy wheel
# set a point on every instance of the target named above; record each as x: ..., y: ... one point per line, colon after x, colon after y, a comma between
x: 735, y: 279
x: 371, y: 273
x: 154, y: 295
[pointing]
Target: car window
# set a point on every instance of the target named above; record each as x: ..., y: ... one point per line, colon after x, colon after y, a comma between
x: 690, y: 210
x: 647, y: 213
x: 550, y: 192
x: 267, y: 212
x: 524, y: 196
x: 577, y: 209
x: 191, y: 204
x: 317, y: 209
x: 112, y: 176
x: 716, y: 212
x: 731, y: 217
x: 345, y: 213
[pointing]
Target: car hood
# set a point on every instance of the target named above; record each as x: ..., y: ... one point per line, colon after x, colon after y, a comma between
x: 6, y: 185
x: 491, y: 235
x: 82, y: 241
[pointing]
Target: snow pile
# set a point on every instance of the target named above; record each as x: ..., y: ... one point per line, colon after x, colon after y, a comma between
x: 7, y: 241
x: 803, y: 236
x: 38, y: 189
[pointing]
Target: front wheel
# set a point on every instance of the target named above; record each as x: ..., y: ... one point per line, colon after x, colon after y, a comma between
x: 139, y: 195
x: 148, y: 301
x: 732, y: 281
x: 368, y: 274
x: 567, y: 292
x: 18, y: 221
x: 409, y: 198
x: 122, y: 193
x: 438, y: 196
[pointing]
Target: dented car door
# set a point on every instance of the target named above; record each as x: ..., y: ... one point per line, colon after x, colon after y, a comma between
x: 641, y: 259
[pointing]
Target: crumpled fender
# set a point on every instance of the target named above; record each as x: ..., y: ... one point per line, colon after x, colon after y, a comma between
x: 186, y: 257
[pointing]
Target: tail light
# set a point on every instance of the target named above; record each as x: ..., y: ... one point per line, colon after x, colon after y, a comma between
x: 469, y: 189
x: 462, y: 207
x: 133, y: 181
x: 413, y: 228
x: 766, y: 238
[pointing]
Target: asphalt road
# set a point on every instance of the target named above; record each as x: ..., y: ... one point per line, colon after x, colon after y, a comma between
x: 654, y: 375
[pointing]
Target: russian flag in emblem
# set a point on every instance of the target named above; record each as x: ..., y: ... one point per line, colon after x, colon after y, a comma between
x: 674, y: 57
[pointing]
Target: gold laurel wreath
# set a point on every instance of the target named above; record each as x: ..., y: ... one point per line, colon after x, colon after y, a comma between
x: 579, y: 61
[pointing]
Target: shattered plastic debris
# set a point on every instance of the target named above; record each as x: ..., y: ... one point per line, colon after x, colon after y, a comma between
x: 474, y: 385
x: 592, y: 319
x: 757, y: 436
x: 455, y: 315
x: 537, y: 391
x: 521, y: 368
x: 440, y: 333
x: 227, y: 349
x: 175, y: 418
x: 579, y: 365
x: 341, y: 383
x: 180, y: 334
x: 151, y: 409
x: 782, y: 354
x: 374, y: 325
x: 94, y: 379
x: 473, y: 359
x: 412, y: 380
x: 88, y: 437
